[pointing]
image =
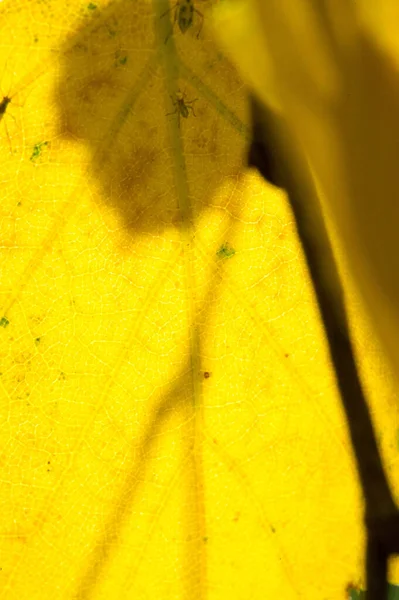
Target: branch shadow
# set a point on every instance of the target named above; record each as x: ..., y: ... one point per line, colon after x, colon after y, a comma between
x: 155, y: 171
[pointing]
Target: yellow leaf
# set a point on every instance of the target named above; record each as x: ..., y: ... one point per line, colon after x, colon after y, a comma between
x: 333, y: 72
x: 170, y: 426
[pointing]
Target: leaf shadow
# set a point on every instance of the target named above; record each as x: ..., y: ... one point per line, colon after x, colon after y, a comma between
x: 115, y: 93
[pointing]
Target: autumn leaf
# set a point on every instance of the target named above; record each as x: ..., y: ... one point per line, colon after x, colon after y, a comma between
x: 333, y: 74
x: 170, y: 425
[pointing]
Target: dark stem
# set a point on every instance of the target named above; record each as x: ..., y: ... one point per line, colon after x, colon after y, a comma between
x: 274, y: 154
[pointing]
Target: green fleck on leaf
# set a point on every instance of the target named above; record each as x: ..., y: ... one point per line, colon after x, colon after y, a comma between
x: 92, y: 6
x: 37, y: 150
x: 4, y: 322
x: 37, y: 341
x: 358, y: 594
x: 225, y: 251
x: 111, y: 32
x: 120, y: 60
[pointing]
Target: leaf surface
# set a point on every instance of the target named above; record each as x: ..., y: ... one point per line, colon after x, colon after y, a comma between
x: 170, y: 425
